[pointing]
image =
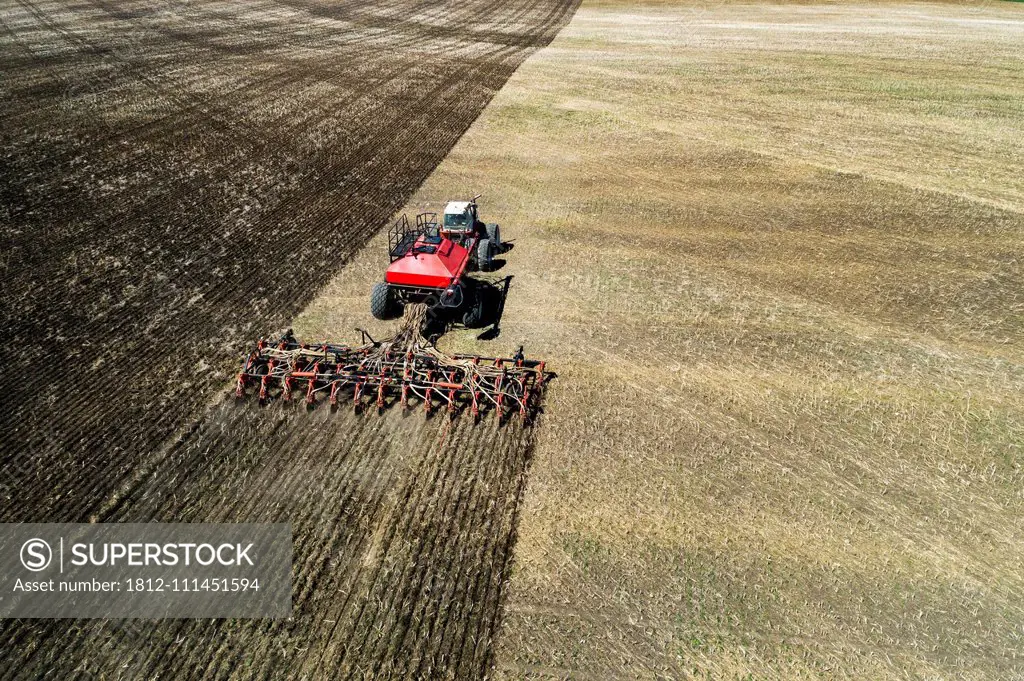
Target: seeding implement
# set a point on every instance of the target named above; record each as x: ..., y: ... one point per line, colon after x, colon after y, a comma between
x: 403, y: 370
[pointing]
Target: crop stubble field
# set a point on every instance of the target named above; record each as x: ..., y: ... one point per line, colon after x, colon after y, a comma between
x: 773, y: 251
x: 178, y: 179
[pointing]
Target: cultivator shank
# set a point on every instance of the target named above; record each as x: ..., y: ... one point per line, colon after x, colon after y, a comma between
x: 404, y: 370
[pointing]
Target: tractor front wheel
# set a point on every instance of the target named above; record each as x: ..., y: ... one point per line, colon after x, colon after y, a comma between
x: 382, y: 302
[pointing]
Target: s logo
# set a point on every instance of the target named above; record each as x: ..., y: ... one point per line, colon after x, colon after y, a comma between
x: 36, y: 555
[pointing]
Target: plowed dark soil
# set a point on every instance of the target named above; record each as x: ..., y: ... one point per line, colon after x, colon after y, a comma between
x: 181, y: 178
x: 403, y: 534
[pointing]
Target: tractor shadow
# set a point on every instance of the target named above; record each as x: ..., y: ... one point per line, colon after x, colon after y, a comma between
x: 498, y: 263
x: 495, y: 296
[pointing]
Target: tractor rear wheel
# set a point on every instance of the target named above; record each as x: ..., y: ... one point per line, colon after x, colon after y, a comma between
x: 382, y: 302
x: 494, y: 234
x: 485, y: 255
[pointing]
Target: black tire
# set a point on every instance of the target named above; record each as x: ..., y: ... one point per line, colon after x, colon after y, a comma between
x: 485, y: 255
x: 472, y: 316
x: 494, y: 234
x: 382, y: 302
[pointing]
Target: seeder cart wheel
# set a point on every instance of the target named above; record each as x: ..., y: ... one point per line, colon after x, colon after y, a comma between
x: 382, y: 302
x: 473, y: 315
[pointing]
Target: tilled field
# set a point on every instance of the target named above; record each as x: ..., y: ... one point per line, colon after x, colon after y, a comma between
x: 403, y: 533
x: 180, y: 178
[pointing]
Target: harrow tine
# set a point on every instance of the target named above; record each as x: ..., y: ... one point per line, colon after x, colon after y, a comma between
x: 312, y: 383
x: 497, y: 390
x: 451, y: 393
x: 526, y: 386
x: 405, y: 380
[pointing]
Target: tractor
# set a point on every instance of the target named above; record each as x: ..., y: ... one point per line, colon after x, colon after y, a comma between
x: 429, y: 261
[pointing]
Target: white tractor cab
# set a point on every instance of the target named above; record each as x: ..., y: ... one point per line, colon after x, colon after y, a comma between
x: 461, y: 223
